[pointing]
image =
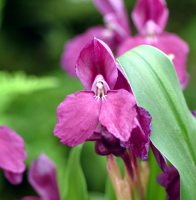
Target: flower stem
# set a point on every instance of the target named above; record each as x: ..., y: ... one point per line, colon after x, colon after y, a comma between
x: 121, y: 186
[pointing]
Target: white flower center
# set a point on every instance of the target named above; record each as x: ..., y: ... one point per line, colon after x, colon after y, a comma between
x: 100, y: 88
x: 100, y: 91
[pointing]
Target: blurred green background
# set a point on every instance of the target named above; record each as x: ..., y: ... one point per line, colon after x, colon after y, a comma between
x: 32, y: 36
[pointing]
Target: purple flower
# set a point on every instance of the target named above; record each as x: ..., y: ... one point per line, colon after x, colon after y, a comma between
x: 43, y: 178
x: 12, y: 154
x: 115, y: 17
x: 101, y: 112
x: 169, y: 178
x: 74, y: 46
x: 150, y: 18
x: 116, y: 29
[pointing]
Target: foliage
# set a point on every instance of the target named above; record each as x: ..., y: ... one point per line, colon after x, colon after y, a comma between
x: 156, y: 87
x: 32, y: 36
x: 75, y: 186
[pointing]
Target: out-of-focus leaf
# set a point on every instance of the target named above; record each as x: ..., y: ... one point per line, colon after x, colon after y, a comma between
x: 75, y: 184
x: 109, y: 193
x: 21, y: 83
x: 96, y: 196
x: 33, y: 116
x: 156, y: 87
x: 154, y: 190
x: 91, y: 163
x: 14, y: 84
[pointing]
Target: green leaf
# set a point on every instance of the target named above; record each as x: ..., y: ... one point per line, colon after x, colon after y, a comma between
x: 96, y: 196
x: 110, y: 193
x: 156, y: 87
x: 75, y: 184
x: 154, y: 190
x: 95, y: 181
x: 14, y: 84
x: 19, y: 82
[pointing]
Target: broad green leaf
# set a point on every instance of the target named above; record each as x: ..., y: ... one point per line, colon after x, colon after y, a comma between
x: 156, y: 87
x: 75, y: 184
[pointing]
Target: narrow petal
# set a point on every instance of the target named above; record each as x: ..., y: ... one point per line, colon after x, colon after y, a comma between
x: 150, y: 14
x: 12, y: 151
x: 170, y: 180
x: 109, y: 6
x: 115, y: 14
x: 161, y: 160
x: 14, y: 178
x: 118, y: 113
x: 170, y: 44
x: 77, y: 118
x: 74, y: 46
x: 43, y: 178
x: 96, y: 58
x: 140, y: 136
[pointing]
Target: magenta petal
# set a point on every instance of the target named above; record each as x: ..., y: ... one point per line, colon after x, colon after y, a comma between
x: 77, y: 118
x: 42, y: 176
x: 122, y: 82
x: 150, y: 14
x: 161, y: 160
x: 14, y: 178
x: 170, y: 180
x: 140, y: 136
x: 115, y: 14
x: 74, y: 46
x: 109, y: 6
x: 194, y: 113
x: 174, y: 46
x: 96, y: 58
x: 118, y: 113
x: 170, y: 44
x: 12, y: 151
x: 130, y: 43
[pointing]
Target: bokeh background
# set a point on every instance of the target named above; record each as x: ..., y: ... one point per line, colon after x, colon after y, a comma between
x: 32, y: 83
